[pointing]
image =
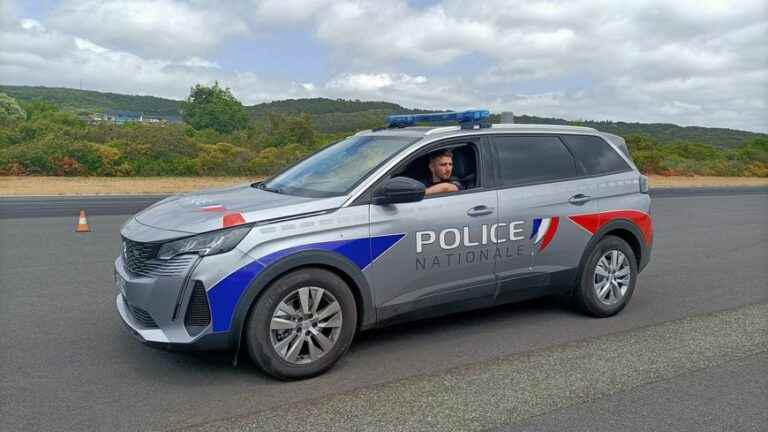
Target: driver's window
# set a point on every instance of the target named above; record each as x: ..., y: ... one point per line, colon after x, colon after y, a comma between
x: 440, y: 168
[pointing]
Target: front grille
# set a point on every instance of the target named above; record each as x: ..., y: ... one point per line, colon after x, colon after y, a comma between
x: 140, y: 259
x: 134, y: 251
x: 198, y: 314
x: 143, y: 317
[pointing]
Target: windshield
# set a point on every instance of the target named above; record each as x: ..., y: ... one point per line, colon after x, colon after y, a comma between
x: 336, y: 169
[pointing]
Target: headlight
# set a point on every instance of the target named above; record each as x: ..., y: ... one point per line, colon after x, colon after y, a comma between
x: 205, y: 244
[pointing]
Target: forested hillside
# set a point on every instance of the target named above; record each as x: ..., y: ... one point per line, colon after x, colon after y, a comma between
x: 219, y: 137
x: 662, y: 132
x: 346, y: 116
x: 87, y: 101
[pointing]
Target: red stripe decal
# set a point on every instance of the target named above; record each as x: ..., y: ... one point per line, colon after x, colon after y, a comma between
x: 642, y: 220
x: 233, y: 219
x: 550, y: 233
x: 590, y: 222
x: 213, y: 208
x: 593, y: 222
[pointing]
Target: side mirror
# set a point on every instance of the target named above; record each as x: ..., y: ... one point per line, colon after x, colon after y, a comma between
x: 399, y: 190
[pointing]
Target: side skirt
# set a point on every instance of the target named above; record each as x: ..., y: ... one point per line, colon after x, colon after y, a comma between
x: 514, y: 290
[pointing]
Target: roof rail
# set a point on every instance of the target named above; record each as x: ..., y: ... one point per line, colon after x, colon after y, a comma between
x: 540, y: 126
x: 442, y: 129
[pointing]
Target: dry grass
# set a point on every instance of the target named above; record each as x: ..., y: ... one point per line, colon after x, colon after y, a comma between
x: 678, y: 181
x: 31, y: 186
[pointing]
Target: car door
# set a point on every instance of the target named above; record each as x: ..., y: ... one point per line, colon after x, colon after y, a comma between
x: 437, y: 254
x: 615, y: 185
x: 540, y: 187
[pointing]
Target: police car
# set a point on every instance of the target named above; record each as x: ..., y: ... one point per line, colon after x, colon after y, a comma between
x: 290, y: 269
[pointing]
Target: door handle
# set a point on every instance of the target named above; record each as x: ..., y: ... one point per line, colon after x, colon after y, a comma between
x: 480, y: 211
x: 579, y: 199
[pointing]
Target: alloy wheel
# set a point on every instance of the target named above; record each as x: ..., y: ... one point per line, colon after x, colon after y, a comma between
x: 612, y: 277
x: 305, y: 325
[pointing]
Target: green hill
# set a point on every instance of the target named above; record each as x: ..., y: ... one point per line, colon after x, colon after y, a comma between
x: 661, y: 132
x: 339, y: 115
x: 87, y: 101
x: 334, y: 115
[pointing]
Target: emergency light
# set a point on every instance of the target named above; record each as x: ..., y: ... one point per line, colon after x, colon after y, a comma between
x: 473, y: 119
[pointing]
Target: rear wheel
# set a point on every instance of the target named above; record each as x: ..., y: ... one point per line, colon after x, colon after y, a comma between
x: 607, y: 279
x: 302, y: 324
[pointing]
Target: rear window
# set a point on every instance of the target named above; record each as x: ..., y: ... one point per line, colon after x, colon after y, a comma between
x: 595, y: 155
x: 525, y: 159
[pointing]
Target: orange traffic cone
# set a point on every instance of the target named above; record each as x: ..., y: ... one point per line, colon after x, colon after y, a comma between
x: 82, y: 224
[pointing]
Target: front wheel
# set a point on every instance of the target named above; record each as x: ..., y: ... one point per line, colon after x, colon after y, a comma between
x: 302, y: 324
x: 607, y: 279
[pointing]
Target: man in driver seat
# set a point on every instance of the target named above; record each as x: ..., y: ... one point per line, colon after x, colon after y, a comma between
x: 439, y: 179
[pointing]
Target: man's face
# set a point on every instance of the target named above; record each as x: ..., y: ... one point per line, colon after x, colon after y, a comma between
x: 442, y: 167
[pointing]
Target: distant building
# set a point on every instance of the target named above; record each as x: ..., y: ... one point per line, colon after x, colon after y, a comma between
x: 123, y: 117
x: 154, y: 120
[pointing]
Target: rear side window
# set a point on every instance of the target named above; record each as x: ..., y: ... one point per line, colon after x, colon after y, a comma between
x: 595, y: 155
x: 527, y: 159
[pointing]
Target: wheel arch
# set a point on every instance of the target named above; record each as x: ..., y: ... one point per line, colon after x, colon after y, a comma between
x: 330, y: 261
x: 627, y: 231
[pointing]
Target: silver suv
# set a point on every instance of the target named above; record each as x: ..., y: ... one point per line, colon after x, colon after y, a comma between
x: 346, y: 240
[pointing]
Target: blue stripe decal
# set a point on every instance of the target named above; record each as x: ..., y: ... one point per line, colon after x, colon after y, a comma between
x: 381, y: 244
x: 224, y: 295
x: 357, y: 250
x: 536, y: 225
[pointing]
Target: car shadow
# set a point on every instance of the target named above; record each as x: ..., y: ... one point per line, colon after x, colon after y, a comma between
x: 218, y: 367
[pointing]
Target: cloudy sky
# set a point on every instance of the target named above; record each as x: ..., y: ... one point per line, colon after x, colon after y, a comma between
x: 701, y: 62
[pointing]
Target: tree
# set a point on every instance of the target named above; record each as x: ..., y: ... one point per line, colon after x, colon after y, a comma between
x: 214, y: 108
x: 10, y: 111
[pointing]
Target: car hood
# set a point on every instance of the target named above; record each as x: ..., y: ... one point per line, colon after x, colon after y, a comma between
x: 204, y: 211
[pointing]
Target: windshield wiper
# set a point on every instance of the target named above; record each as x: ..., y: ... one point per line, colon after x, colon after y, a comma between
x: 263, y: 186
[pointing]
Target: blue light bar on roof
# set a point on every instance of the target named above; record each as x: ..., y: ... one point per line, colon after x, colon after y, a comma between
x: 467, y: 119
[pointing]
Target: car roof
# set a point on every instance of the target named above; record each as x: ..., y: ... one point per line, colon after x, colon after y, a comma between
x: 432, y: 131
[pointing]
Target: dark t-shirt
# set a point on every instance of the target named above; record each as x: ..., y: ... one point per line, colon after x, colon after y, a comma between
x: 428, y: 182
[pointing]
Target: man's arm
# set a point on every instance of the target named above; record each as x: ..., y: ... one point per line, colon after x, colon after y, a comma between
x: 444, y: 187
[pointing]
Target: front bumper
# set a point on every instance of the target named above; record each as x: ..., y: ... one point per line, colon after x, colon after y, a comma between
x: 156, y: 338
x: 154, y: 308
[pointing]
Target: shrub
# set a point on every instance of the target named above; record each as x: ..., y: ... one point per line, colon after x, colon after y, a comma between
x: 109, y: 159
x: 10, y: 110
x: 35, y: 157
x: 66, y: 166
x: 222, y: 159
x: 699, y: 152
x: 214, y: 108
x: 756, y: 169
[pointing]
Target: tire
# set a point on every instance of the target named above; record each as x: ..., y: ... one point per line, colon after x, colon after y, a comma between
x: 286, y: 335
x: 591, y: 295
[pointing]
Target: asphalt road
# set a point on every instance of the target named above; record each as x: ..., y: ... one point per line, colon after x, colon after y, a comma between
x: 66, y: 363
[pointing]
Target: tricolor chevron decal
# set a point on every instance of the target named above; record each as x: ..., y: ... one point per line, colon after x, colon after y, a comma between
x: 592, y: 222
x: 544, y: 230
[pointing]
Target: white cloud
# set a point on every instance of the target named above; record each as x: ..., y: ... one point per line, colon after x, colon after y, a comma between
x: 273, y: 13
x: 30, y: 24
x: 200, y: 62
x: 155, y: 28
x: 39, y: 56
x: 372, y: 82
x: 86, y: 45
x: 689, y: 62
